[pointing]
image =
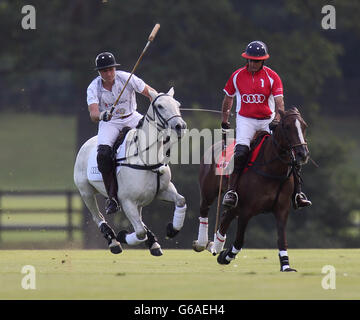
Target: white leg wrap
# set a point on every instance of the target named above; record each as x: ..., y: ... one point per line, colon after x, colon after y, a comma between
x: 283, y: 253
x: 234, y: 251
x: 219, y: 242
x: 203, y: 231
x: 132, y: 239
x: 179, y: 217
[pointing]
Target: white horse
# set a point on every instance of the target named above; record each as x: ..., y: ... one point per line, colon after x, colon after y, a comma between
x: 143, y: 175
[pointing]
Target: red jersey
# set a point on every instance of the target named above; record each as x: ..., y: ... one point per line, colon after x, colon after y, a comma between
x: 254, y: 92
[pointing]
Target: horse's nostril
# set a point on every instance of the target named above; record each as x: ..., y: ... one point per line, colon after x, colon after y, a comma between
x: 178, y: 127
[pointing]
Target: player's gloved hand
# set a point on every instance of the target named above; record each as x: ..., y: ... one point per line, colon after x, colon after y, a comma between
x: 273, y: 124
x: 105, y: 116
x: 225, y: 127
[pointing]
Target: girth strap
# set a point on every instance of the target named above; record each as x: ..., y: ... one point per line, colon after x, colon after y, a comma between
x: 139, y: 167
x: 145, y: 167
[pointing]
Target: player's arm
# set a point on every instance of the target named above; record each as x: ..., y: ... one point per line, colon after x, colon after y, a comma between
x: 226, y: 108
x: 94, y: 112
x: 96, y: 115
x: 146, y: 90
x: 279, y: 105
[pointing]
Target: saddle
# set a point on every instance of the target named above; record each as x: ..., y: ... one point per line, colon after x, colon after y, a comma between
x: 120, y: 140
x: 259, y: 135
x: 255, y: 146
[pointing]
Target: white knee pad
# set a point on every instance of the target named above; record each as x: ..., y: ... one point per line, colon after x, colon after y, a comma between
x: 179, y: 217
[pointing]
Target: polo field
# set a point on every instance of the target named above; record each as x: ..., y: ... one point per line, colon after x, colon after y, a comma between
x: 178, y: 275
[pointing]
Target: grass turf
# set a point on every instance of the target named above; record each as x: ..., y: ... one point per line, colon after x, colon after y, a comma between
x: 178, y: 274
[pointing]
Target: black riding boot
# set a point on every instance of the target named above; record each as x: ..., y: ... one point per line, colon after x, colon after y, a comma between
x: 107, y: 168
x: 111, y: 186
x: 299, y: 198
x: 241, y: 153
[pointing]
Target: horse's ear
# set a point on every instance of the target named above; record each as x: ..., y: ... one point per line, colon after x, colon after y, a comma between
x: 152, y: 94
x: 171, y: 92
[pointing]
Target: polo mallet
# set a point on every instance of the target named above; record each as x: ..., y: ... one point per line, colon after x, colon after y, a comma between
x: 223, y: 155
x: 150, y: 39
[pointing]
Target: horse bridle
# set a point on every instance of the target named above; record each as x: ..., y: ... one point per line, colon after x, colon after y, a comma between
x: 290, y: 148
x: 159, y: 126
x: 164, y: 123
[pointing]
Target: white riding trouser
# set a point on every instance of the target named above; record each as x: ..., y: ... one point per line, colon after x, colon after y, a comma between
x: 109, y: 131
x: 247, y: 127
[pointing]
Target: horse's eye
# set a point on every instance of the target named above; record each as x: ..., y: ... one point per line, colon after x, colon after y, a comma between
x: 160, y: 106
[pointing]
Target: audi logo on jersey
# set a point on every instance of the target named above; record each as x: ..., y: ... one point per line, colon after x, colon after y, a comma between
x: 253, y: 98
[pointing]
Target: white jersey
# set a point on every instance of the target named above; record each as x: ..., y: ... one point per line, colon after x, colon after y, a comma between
x: 96, y: 93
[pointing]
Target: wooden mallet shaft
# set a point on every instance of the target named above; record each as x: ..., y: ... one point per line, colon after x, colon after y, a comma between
x: 150, y: 39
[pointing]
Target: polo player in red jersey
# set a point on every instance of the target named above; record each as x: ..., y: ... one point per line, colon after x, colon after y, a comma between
x: 259, y: 97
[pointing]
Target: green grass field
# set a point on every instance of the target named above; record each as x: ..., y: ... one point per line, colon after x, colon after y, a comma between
x: 178, y: 274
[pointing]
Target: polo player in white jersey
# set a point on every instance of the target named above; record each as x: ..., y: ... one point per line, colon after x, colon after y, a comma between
x: 101, y: 96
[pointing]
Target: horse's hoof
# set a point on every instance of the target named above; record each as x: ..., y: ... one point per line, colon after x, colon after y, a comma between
x: 196, y: 247
x: 121, y: 236
x: 157, y: 252
x: 115, y: 247
x: 221, y: 259
x: 289, y: 270
x: 170, y: 231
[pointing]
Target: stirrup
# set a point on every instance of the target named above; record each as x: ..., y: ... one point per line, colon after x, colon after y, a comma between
x: 301, y: 201
x: 230, y: 199
x: 111, y: 206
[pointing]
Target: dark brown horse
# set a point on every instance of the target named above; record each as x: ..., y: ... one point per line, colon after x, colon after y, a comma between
x: 266, y: 186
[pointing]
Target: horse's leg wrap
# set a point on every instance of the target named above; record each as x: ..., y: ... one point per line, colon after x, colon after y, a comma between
x: 203, y: 231
x: 284, y: 261
x: 232, y: 254
x: 226, y: 256
x: 132, y: 239
x: 179, y: 217
x: 152, y: 243
x: 110, y: 236
x: 202, y: 241
x: 219, y: 241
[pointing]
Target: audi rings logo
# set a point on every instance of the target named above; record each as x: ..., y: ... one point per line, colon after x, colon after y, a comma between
x: 253, y: 98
